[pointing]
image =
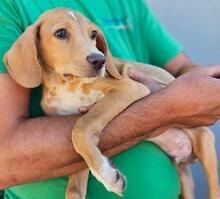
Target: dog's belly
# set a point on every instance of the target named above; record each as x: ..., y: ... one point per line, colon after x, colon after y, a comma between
x: 175, y: 143
x: 62, y: 101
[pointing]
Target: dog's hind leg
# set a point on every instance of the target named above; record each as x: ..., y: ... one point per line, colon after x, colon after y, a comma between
x: 187, y: 186
x: 77, y: 185
x: 204, y: 149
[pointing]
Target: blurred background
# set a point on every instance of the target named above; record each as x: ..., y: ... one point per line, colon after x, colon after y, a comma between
x: 196, y: 25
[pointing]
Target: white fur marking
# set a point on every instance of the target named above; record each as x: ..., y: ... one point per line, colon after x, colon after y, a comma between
x: 73, y: 16
x: 107, y: 176
x: 102, y: 72
x: 95, y: 50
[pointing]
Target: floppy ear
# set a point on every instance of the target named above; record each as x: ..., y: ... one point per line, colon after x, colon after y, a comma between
x: 21, y: 59
x: 103, y: 47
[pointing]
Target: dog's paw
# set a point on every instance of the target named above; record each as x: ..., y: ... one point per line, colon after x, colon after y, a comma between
x: 110, y: 177
x: 74, y: 195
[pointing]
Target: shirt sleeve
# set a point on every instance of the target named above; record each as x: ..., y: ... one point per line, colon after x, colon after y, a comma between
x: 161, y: 46
x: 10, y: 28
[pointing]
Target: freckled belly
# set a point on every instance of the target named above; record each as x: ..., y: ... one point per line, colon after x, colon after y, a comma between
x: 68, y: 103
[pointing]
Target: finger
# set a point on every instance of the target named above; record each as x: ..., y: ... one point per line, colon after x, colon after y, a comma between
x: 213, y: 70
x: 153, y: 86
x: 85, y: 109
x: 142, y: 78
x: 137, y: 75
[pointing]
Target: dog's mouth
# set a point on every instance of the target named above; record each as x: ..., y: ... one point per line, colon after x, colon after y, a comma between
x: 71, y: 77
x: 90, y: 74
x: 67, y: 75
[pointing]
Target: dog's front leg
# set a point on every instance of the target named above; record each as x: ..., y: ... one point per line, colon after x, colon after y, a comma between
x: 77, y: 185
x: 204, y: 149
x: 85, y: 135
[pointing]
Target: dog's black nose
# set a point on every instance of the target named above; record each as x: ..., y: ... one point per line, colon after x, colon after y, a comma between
x: 96, y: 60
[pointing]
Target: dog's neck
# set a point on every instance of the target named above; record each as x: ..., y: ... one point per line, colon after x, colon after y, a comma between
x: 51, y: 77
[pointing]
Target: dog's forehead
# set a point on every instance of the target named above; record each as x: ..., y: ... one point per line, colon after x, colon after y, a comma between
x: 55, y: 19
x: 59, y: 14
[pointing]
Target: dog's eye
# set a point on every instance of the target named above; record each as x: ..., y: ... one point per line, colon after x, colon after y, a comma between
x: 61, y: 33
x: 93, y: 34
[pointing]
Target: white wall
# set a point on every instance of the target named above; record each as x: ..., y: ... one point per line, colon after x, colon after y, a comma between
x: 196, y: 24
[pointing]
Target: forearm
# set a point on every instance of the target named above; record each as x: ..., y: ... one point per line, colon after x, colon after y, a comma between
x: 35, y: 149
x: 41, y: 148
x: 179, y: 65
x: 139, y: 121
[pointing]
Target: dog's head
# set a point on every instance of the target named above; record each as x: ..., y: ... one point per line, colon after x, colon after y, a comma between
x: 63, y: 41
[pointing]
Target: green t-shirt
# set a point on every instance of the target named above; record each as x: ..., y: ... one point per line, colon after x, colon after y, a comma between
x: 133, y: 33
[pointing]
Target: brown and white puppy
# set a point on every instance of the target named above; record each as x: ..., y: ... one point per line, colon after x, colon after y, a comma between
x: 68, y: 54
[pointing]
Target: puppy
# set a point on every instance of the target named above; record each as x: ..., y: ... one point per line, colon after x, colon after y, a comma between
x: 69, y: 55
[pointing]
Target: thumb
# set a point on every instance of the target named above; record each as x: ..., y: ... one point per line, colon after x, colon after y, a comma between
x: 213, y: 71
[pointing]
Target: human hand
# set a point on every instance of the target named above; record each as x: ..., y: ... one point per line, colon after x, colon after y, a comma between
x: 85, y: 109
x: 194, y: 97
x: 142, y: 78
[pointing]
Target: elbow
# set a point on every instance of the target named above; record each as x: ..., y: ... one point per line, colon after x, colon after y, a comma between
x: 8, y: 174
x: 6, y: 179
x: 3, y: 186
x: 9, y: 159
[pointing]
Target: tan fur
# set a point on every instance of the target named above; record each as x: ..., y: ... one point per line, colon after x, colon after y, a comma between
x: 69, y: 82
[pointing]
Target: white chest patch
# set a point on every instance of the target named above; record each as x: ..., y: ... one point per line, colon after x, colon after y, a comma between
x: 67, y: 102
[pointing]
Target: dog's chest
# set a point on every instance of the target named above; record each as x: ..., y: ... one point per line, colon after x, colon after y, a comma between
x: 66, y: 98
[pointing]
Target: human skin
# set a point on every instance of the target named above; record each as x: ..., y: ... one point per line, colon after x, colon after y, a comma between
x: 34, y: 149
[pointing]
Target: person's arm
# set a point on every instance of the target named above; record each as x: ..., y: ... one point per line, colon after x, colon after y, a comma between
x: 179, y: 65
x: 41, y: 148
